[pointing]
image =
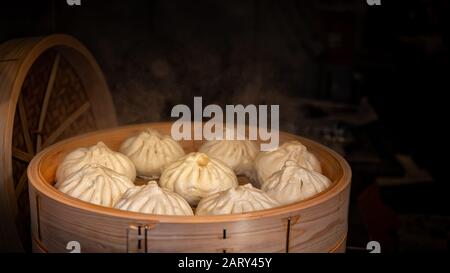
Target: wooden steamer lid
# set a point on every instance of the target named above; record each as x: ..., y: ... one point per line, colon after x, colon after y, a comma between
x: 51, y: 88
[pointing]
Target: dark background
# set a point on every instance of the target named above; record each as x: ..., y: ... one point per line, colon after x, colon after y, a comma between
x: 369, y: 81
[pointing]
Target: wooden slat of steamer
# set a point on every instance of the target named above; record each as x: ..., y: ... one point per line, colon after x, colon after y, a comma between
x: 16, y: 58
x: 25, y: 127
x: 71, y: 119
x: 44, y: 108
x: 21, y: 155
x: 318, y: 224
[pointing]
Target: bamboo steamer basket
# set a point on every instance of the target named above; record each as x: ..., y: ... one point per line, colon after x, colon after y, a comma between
x: 51, y: 88
x: 318, y: 224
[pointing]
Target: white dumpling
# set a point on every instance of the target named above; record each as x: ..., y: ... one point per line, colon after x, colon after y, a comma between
x: 150, y: 151
x: 196, y: 175
x: 98, y: 154
x: 235, y: 200
x: 239, y: 155
x: 294, y: 183
x: 95, y: 184
x: 267, y: 163
x: 152, y: 199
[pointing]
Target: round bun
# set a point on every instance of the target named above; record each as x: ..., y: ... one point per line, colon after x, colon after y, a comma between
x: 235, y: 200
x: 239, y: 155
x: 97, y: 154
x: 95, y: 184
x: 152, y: 199
x: 196, y: 175
x: 150, y: 151
x: 267, y: 163
x: 294, y: 183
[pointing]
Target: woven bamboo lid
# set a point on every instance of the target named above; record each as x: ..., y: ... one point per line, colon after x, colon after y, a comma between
x: 51, y: 88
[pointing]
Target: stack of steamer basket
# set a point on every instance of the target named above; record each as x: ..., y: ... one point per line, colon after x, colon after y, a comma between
x: 318, y: 224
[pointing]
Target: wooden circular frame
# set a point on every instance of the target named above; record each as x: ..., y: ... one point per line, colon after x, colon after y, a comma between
x: 16, y: 59
x: 318, y: 224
